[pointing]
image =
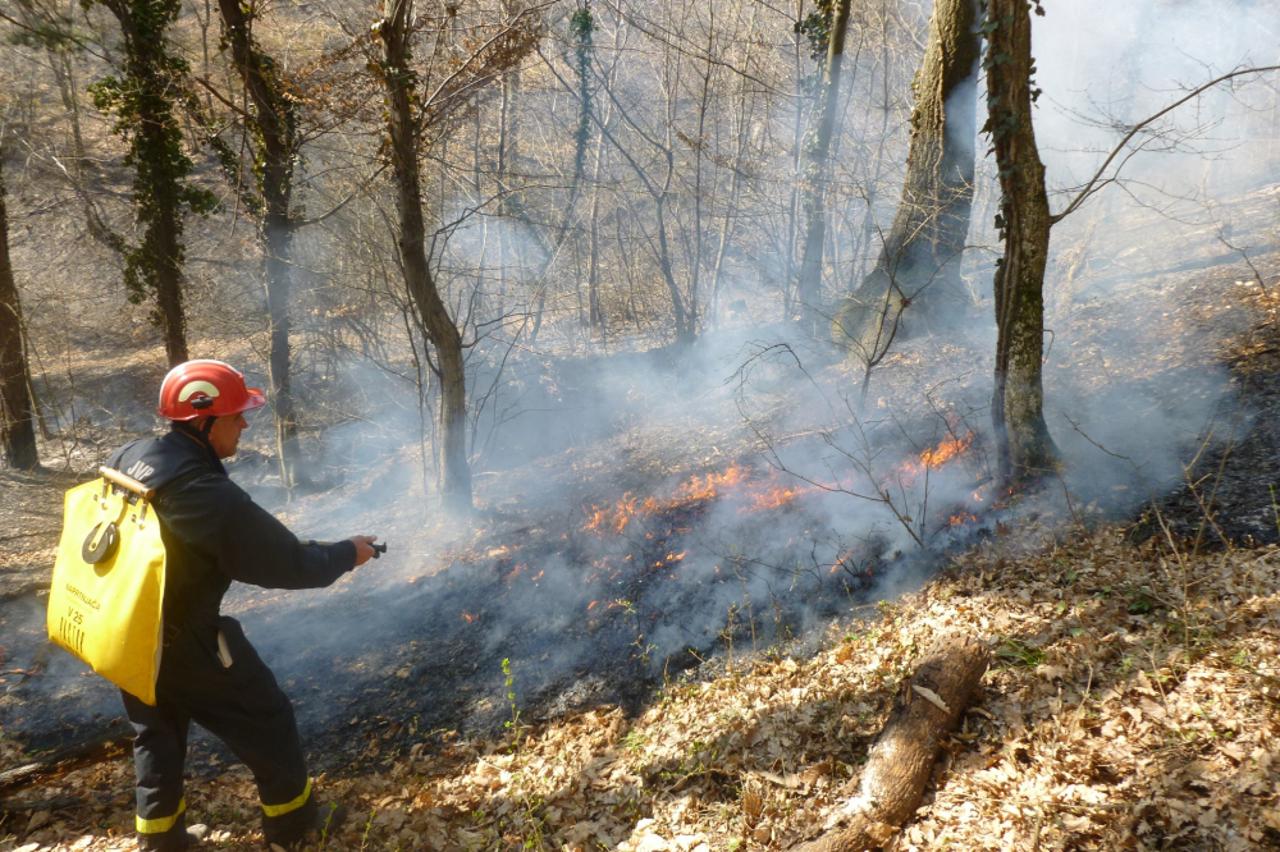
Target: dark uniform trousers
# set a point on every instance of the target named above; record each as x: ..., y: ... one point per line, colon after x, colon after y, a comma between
x: 231, y: 693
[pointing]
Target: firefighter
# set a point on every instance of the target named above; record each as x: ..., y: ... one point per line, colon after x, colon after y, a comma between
x: 214, y: 533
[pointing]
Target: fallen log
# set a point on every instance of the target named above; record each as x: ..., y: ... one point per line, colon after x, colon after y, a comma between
x: 899, y: 764
x: 94, y: 748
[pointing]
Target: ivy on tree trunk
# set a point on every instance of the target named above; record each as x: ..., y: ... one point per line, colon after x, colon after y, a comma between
x: 141, y: 102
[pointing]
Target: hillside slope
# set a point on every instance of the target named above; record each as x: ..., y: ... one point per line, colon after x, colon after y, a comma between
x: 1135, y: 703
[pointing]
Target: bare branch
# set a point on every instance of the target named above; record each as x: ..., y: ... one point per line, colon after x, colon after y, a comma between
x: 1096, y: 182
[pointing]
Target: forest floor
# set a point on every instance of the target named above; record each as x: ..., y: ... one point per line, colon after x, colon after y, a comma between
x: 1134, y: 701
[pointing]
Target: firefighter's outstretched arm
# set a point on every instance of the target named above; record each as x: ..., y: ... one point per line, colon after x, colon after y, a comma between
x: 256, y: 548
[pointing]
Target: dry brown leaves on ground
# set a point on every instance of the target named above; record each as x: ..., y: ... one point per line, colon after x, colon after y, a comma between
x: 1134, y: 704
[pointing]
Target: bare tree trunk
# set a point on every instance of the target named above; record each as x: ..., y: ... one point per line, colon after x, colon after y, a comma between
x: 809, y: 286
x: 398, y: 79
x: 17, y: 408
x: 898, y: 767
x: 275, y: 148
x: 745, y: 116
x: 684, y: 328
x: 790, y: 271
x: 1024, y: 448
x: 919, y: 261
x: 593, y: 269
x: 704, y: 102
x: 877, y: 162
x: 162, y: 244
x: 509, y: 206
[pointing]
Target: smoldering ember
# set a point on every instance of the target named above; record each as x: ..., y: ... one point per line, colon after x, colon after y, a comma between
x: 690, y: 426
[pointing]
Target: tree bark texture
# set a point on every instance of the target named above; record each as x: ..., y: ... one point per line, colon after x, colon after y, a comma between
x: 901, y: 761
x: 438, y: 325
x: 17, y: 408
x: 275, y: 145
x: 1025, y: 451
x: 809, y: 285
x: 919, y: 263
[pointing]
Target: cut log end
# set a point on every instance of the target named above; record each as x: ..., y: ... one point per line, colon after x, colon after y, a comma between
x: 927, y: 709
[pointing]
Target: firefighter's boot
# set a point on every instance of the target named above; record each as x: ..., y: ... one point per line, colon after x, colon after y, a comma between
x: 326, y: 818
x: 173, y: 841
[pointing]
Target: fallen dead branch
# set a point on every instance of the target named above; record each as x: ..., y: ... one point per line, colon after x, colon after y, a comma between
x: 96, y: 747
x: 927, y: 708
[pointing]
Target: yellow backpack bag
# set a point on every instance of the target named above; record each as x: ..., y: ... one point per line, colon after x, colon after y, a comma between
x: 108, y: 582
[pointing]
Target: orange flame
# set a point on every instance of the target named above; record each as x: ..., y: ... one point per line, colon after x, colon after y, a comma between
x: 697, y: 489
x: 702, y: 488
x: 469, y: 617
x: 774, y: 498
x: 670, y: 559
x: 946, y: 451
x: 935, y: 457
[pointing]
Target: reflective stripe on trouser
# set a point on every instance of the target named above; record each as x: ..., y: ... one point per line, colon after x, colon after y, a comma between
x: 286, y: 822
x: 161, y: 825
x: 242, y: 705
x: 160, y: 741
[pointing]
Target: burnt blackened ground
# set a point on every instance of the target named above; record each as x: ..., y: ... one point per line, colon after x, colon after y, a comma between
x: 581, y: 617
x: 581, y: 621
x: 1230, y: 493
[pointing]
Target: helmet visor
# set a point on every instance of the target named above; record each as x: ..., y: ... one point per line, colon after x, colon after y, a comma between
x: 255, y: 399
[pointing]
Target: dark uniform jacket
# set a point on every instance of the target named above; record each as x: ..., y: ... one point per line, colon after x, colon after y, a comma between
x: 214, y: 533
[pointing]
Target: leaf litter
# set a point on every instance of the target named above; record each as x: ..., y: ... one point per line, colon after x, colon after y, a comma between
x: 1134, y: 704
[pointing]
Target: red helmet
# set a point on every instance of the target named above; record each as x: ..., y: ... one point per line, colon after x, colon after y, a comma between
x: 202, y: 388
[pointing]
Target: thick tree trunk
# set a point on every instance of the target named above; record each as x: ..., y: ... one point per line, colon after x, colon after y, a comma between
x: 899, y: 765
x: 162, y: 243
x: 919, y: 263
x: 275, y: 147
x: 454, y: 472
x: 809, y: 285
x: 17, y: 408
x: 278, y: 241
x: 1025, y: 450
